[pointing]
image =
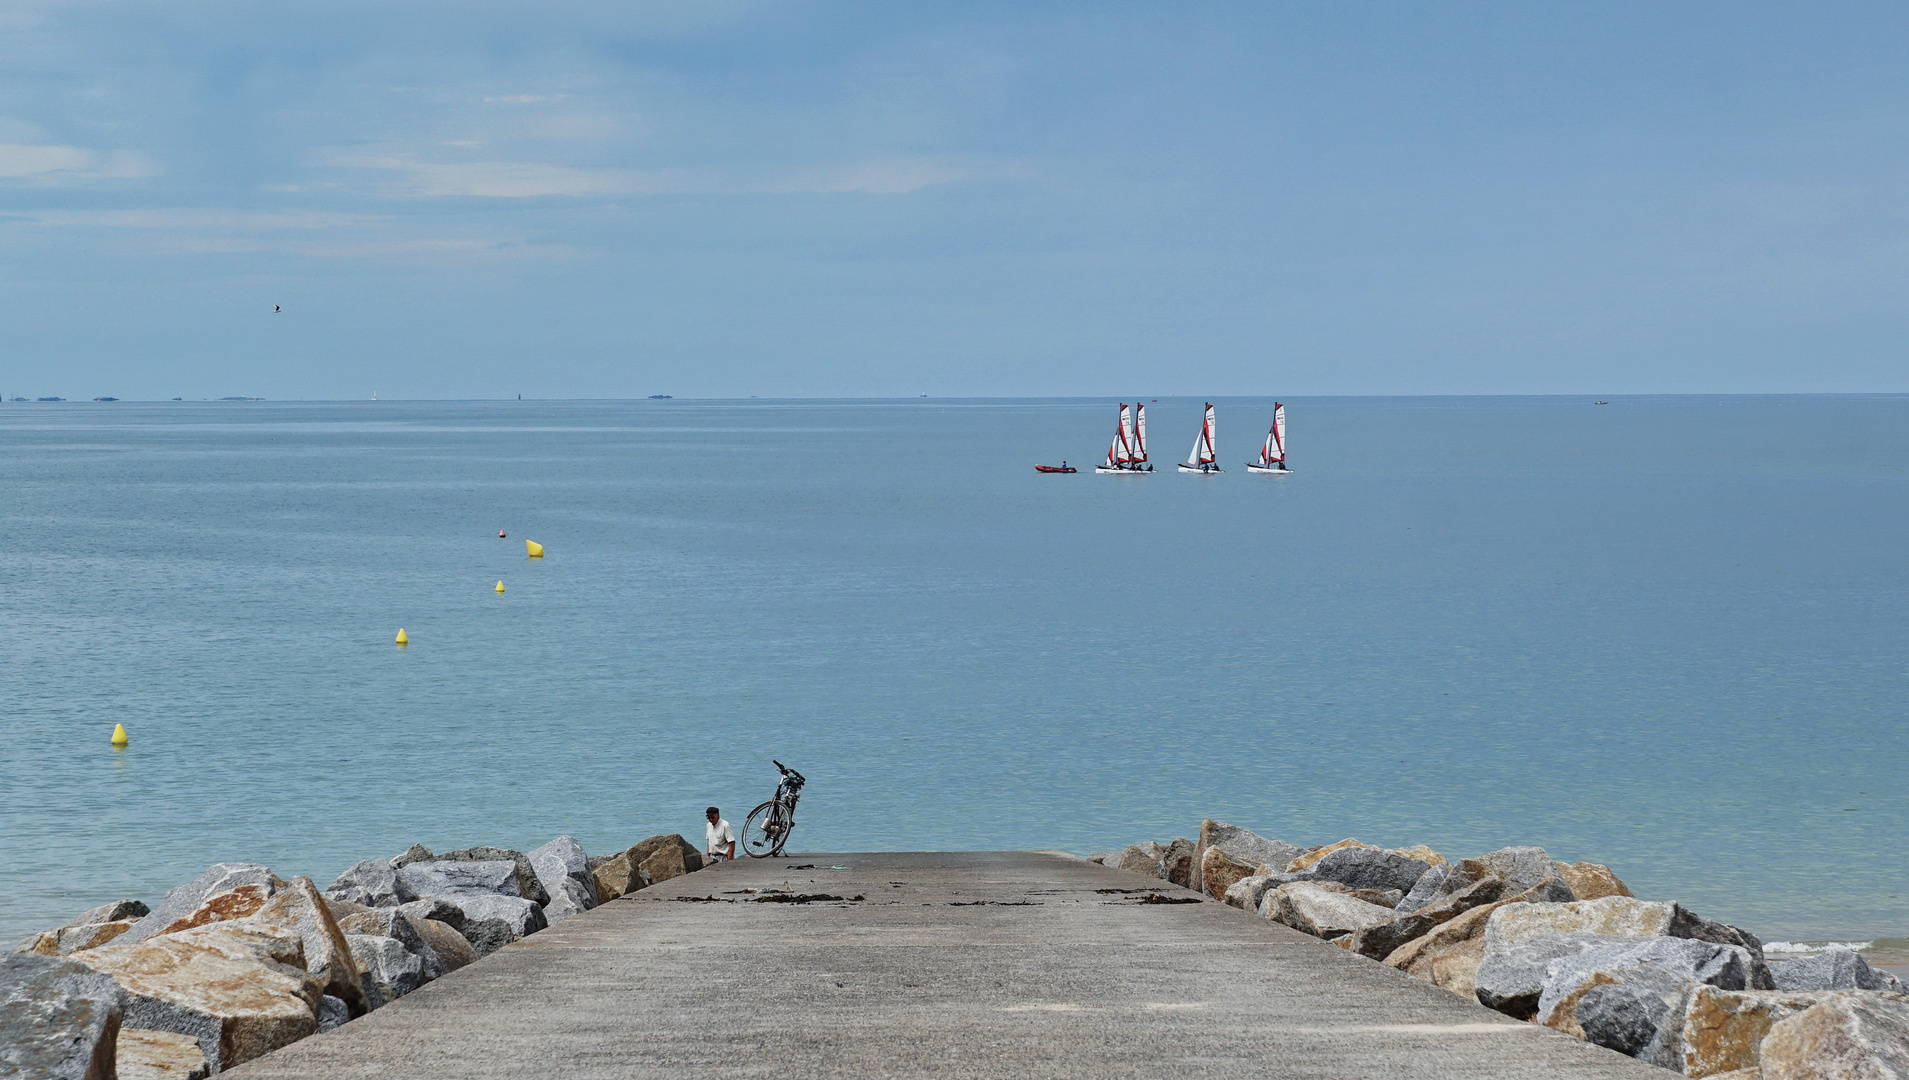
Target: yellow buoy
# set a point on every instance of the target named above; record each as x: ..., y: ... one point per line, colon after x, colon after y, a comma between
x: 500, y: 586
x: 403, y: 638
x: 534, y: 549
x: 119, y: 735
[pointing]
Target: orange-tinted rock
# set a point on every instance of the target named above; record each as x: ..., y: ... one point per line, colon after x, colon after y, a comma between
x: 1591, y: 881
x: 665, y: 856
x: 618, y: 876
x: 71, y: 939
x: 1564, y: 1016
x: 1856, y: 1034
x: 224, y: 892
x: 1313, y: 856
x: 1220, y: 872
x: 159, y: 1055
x: 1721, y: 1030
x: 300, y: 910
x: 240, y: 990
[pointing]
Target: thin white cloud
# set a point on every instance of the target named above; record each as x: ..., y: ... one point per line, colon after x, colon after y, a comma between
x: 52, y: 164
x: 227, y: 221
x: 21, y: 161
x: 408, y: 176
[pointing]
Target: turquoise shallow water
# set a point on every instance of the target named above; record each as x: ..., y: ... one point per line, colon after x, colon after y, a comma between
x: 1667, y: 634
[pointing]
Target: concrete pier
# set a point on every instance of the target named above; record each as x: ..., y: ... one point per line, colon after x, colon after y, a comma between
x: 990, y: 964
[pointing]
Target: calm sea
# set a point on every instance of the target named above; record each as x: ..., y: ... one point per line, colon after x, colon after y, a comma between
x: 1667, y: 634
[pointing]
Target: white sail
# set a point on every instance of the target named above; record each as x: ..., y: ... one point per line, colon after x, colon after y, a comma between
x: 1202, y: 452
x: 1266, y: 452
x: 1140, y: 434
x: 1126, y: 435
x: 1279, y: 432
x: 1206, y: 430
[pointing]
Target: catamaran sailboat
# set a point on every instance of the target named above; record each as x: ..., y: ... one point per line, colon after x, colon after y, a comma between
x: 1203, y: 459
x: 1127, y: 454
x: 1272, y: 456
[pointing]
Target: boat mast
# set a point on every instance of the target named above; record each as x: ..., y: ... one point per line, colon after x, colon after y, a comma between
x: 1140, y: 433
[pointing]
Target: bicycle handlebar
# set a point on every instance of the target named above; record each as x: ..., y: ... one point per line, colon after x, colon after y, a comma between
x: 786, y: 771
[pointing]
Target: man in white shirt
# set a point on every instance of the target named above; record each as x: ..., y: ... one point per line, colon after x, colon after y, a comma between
x: 719, y: 840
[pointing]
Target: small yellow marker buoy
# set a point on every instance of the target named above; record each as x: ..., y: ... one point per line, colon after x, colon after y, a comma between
x: 534, y: 549
x: 500, y: 586
x: 119, y: 735
x: 403, y: 638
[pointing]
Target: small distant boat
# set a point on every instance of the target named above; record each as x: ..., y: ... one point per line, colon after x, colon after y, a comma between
x: 1061, y: 468
x: 1272, y: 456
x: 1600, y: 403
x: 1202, y: 459
x: 1127, y: 455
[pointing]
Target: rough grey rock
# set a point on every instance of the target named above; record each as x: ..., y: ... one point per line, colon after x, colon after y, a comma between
x: 1311, y: 908
x: 1177, y: 865
x: 490, y: 922
x: 1378, y: 942
x: 1145, y: 857
x: 1249, y: 893
x: 1364, y: 868
x: 432, y: 907
x: 1831, y: 969
x: 1661, y: 964
x: 1624, y: 1018
x: 113, y: 912
x: 1523, y: 867
x: 1511, y: 975
x: 452, y: 950
x: 58, y: 1019
x: 394, y: 969
x: 528, y: 886
x: 567, y: 898
x: 1426, y: 889
x: 331, y: 1013
x: 1622, y: 916
x: 185, y: 899
x: 1247, y: 845
x: 414, y: 853
x: 373, y: 883
x: 450, y: 878
x: 392, y: 923
x: 563, y: 860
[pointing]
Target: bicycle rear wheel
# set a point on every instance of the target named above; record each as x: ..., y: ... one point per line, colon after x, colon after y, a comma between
x: 763, y: 831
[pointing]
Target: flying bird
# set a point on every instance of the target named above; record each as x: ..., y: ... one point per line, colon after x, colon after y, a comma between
x: 275, y: 309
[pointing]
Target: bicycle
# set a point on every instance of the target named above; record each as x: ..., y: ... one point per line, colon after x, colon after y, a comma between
x: 767, y: 827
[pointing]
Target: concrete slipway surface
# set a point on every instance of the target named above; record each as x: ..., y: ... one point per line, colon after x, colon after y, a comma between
x: 977, y: 964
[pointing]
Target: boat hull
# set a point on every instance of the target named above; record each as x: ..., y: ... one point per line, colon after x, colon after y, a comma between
x: 1054, y: 469
x: 1209, y: 471
x: 1267, y: 469
x: 1121, y: 472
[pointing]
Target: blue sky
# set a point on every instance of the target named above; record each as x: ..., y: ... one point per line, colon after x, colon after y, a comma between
x: 724, y: 199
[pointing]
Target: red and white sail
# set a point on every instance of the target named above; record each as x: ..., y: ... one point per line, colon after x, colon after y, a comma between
x: 1274, y: 452
x: 1120, y: 451
x: 1202, y: 453
x: 1140, y: 434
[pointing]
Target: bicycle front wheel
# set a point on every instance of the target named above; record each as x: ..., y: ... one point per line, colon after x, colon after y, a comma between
x: 763, y: 830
